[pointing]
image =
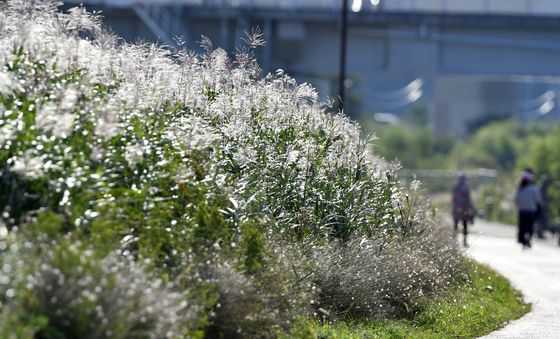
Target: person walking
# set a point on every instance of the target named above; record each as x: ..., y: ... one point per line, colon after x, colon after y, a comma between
x: 528, y: 201
x: 543, y: 217
x: 463, y: 209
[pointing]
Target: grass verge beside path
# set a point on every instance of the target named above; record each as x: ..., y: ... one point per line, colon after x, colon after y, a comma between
x: 484, y: 304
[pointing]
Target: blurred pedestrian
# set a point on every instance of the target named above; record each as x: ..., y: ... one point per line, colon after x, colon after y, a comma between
x: 489, y: 202
x: 528, y: 200
x: 463, y: 208
x: 543, y: 218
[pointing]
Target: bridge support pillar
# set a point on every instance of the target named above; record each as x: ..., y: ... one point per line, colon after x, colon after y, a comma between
x: 267, y: 52
x: 224, y: 33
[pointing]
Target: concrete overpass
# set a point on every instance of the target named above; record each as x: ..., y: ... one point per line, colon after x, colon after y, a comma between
x: 462, y: 62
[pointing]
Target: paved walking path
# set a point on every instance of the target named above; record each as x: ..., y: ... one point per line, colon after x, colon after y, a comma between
x: 536, y: 272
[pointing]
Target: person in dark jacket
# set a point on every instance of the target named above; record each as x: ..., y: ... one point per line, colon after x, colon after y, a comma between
x: 463, y: 209
x: 543, y: 218
x: 528, y: 200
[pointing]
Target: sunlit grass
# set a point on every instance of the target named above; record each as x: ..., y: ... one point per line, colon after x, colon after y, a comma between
x: 484, y: 304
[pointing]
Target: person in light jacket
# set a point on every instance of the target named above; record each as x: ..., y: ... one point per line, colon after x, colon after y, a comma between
x: 528, y: 201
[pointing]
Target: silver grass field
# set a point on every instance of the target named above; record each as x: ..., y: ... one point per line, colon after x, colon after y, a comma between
x: 150, y: 192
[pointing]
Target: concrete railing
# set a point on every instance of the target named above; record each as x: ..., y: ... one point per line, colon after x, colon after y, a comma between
x: 497, y: 7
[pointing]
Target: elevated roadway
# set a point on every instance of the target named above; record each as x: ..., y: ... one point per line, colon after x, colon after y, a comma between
x: 474, y: 60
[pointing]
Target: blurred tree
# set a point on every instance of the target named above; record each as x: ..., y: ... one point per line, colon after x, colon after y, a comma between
x: 495, y: 146
x: 414, y: 147
x: 417, y: 116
